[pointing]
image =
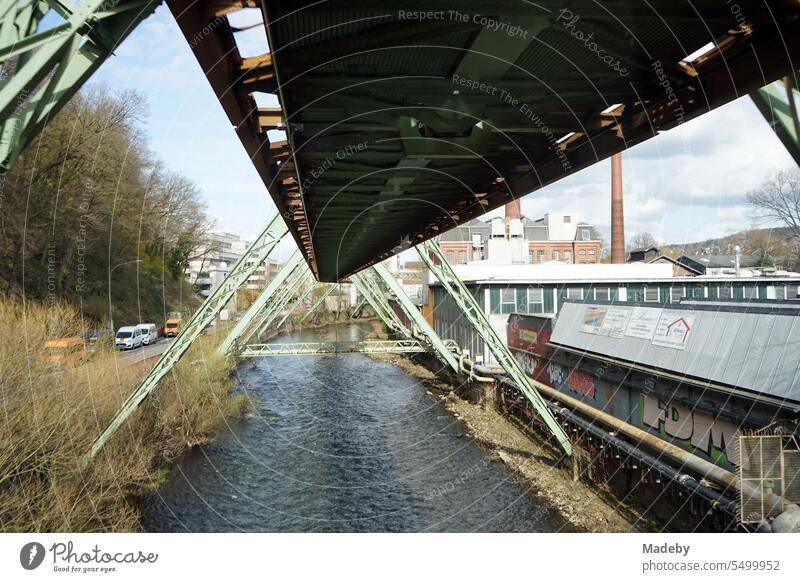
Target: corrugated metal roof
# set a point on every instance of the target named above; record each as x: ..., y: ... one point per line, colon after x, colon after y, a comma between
x: 751, y: 348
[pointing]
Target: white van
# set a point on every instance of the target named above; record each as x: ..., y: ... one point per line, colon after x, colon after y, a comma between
x: 128, y: 338
x: 149, y: 333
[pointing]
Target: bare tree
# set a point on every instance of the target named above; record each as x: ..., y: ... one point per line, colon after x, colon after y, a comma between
x: 642, y: 240
x: 778, y: 201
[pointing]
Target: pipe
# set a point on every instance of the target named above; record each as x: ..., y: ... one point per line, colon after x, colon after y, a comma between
x: 693, y: 462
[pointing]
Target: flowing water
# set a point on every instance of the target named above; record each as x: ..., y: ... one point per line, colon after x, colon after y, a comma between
x: 342, y: 443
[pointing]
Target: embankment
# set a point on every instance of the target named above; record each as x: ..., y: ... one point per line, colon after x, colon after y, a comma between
x: 51, y: 413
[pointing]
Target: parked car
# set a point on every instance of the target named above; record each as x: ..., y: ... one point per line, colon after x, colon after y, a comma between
x: 128, y: 337
x: 149, y: 333
x: 173, y: 326
x: 97, y: 337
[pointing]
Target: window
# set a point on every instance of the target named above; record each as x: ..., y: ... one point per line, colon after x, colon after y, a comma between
x: 581, y: 252
x: 462, y: 257
x: 555, y: 255
x: 540, y: 256
x: 651, y: 294
x: 567, y: 219
x: 508, y: 300
x: 750, y: 292
x: 602, y: 294
x: 586, y: 234
x: 530, y: 257
x: 450, y: 257
x: 725, y: 292
x: 568, y: 256
x: 780, y: 292
x: 535, y: 300
x: 677, y: 293
x: 574, y: 293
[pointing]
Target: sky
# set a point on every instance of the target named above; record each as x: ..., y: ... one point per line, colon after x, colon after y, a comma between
x: 687, y: 184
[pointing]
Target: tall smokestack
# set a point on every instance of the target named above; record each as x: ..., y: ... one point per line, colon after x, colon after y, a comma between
x: 513, y: 209
x: 617, y: 214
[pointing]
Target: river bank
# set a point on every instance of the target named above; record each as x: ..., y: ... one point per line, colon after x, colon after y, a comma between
x: 53, y: 412
x: 587, y: 507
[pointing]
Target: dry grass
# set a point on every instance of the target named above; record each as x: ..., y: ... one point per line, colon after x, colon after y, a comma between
x: 49, y: 416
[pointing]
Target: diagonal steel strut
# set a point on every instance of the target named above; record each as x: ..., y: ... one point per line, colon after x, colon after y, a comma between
x: 319, y: 301
x: 48, y: 50
x: 261, y: 305
x: 777, y: 102
x: 433, y: 257
x: 244, y: 268
x: 370, y: 290
x: 420, y: 324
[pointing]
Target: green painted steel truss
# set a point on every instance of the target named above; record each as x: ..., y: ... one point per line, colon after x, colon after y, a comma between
x: 244, y: 268
x: 433, y: 257
x: 403, y: 346
x: 777, y: 102
x: 42, y: 68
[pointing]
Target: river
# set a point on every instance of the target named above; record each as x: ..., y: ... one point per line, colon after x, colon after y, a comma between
x: 342, y: 443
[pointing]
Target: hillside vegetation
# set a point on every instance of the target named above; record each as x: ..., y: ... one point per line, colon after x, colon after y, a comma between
x: 87, y: 200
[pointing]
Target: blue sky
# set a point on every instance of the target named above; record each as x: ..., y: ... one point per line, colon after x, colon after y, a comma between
x: 687, y: 184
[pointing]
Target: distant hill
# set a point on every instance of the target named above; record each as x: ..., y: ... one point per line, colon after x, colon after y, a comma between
x: 773, y: 243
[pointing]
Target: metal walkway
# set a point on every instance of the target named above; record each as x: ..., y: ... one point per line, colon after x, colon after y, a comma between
x: 318, y: 348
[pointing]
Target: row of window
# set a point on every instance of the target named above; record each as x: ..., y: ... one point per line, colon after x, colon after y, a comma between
x: 533, y: 300
x: 539, y: 257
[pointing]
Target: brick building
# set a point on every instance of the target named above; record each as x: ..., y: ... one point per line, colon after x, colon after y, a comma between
x: 554, y: 237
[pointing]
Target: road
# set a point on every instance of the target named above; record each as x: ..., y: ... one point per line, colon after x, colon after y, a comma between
x: 131, y: 357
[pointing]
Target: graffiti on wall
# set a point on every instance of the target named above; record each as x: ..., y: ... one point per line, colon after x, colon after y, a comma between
x: 574, y: 380
x: 700, y: 430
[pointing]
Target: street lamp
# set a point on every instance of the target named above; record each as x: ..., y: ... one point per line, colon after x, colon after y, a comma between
x: 110, y: 316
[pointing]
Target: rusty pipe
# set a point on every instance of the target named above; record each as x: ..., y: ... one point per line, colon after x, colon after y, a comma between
x: 701, y: 466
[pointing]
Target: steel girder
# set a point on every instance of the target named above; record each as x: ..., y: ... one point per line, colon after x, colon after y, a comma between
x: 359, y: 308
x: 43, y: 68
x: 298, y: 300
x: 261, y: 306
x: 433, y: 257
x: 244, y: 268
x: 420, y: 324
x: 777, y: 102
x: 319, y: 302
x: 374, y: 296
x: 404, y: 346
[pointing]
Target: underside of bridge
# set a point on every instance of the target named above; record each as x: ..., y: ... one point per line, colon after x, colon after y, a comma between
x: 404, y: 119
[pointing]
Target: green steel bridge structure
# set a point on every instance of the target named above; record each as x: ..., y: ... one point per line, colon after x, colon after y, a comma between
x: 404, y: 119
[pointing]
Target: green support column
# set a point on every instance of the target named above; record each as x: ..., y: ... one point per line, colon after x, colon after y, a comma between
x: 297, y: 290
x: 244, y: 268
x: 777, y: 102
x: 359, y: 308
x: 374, y: 296
x: 298, y: 301
x: 44, y: 68
x: 319, y: 301
x: 260, y: 303
x: 430, y: 252
x: 421, y: 325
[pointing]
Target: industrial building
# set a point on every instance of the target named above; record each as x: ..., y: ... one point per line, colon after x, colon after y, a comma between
x: 695, y: 374
x: 557, y: 236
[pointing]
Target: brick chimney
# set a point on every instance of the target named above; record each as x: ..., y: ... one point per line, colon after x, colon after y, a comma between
x: 617, y: 213
x: 513, y: 209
